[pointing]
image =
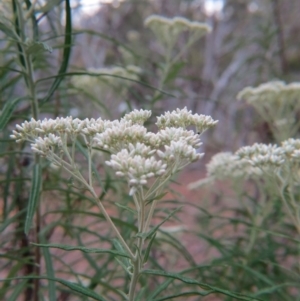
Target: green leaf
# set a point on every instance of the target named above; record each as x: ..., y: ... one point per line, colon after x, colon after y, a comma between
x: 16, y: 9
x: 34, y: 196
x: 73, y: 286
x: 185, y: 294
x: 159, y: 289
x: 147, y: 252
x: 124, y: 262
x: 7, y: 112
x: 145, y: 84
x: 174, y: 276
x: 126, y: 208
x: 14, y: 270
x: 204, y: 286
x: 36, y: 47
x: 83, y: 249
x: 66, y: 54
x: 158, y: 197
x: 18, y: 289
x: 50, y: 274
x: 275, y: 288
x: 79, y: 289
x: 153, y: 230
x: 5, y: 29
x: 175, y: 69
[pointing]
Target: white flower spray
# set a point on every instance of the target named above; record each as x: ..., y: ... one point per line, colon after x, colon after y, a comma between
x: 146, y: 160
x: 278, y: 104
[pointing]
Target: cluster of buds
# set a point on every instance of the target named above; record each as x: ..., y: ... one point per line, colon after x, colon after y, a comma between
x: 267, y: 157
x: 277, y: 103
x: 275, y: 93
x: 168, y: 30
x: 135, y: 154
x: 226, y: 165
x: 256, y: 161
x: 183, y: 119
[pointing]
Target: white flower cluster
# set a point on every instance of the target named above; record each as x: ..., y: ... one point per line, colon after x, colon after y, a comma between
x: 183, y: 119
x: 255, y: 161
x: 169, y: 134
x: 44, y: 146
x: 121, y: 134
x: 277, y: 103
x: 30, y: 130
x: 138, y: 116
x: 226, y: 165
x: 274, y: 92
x: 136, y: 154
x: 168, y: 30
x: 291, y: 149
x: 137, y: 164
x: 267, y: 157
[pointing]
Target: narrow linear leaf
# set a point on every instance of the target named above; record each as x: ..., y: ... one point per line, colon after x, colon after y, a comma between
x: 66, y: 53
x: 125, y: 208
x: 159, y: 289
x: 147, y: 252
x: 275, y: 288
x: 36, y: 47
x: 120, y: 248
x: 6, y: 187
x: 158, y: 197
x: 185, y: 294
x: 82, y: 249
x: 73, y: 286
x: 18, y: 289
x: 34, y: 196
x: 14, y: 270
x: 7, y: 112
x: 204, y: 286
x: 16, y: 9
x: 177, y: 245
x: 145, y: 84
x: 9, y: 32
x: 153, y: 230
x: 50, y: 274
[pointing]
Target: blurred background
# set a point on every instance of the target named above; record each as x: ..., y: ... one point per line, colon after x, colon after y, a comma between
x: 251, y: 42
x: 97, y: 59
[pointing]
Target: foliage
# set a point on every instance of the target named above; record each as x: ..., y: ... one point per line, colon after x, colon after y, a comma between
x: 56, y: 244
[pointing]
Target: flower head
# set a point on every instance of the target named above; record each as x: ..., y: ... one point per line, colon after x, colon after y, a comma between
x: 267, y: 157
x: 291, y: 149
x: 226, y: 165
x: 135, y: 153
x: 137, y: 116
x: 168, y: 30
x: 183, y: 119
x: 135, y: 167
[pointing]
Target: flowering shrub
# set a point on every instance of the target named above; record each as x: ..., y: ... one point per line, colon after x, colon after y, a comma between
x: 273, y: 169
x: 145, y: 159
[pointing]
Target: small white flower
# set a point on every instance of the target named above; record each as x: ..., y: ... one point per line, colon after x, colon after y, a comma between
x: 183, y: 119
x: 267, y: 157
x: 137, y: 116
